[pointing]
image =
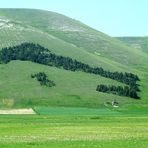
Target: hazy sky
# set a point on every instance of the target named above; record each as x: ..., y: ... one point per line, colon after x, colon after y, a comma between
x: 113, y: 17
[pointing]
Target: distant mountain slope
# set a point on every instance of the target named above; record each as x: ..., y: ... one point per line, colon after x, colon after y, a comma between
x: 136, y: 42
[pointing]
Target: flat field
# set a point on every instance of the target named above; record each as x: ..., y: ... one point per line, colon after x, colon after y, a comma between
x: 70, y: 131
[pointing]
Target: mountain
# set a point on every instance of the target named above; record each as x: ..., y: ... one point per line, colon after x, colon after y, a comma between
x: 69, y: 38
x: 136, y: 42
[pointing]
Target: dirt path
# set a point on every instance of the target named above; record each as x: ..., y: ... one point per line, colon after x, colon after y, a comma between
x: 17, y: 111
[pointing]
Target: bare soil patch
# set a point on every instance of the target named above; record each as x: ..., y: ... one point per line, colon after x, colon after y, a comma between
x: 17, y: 111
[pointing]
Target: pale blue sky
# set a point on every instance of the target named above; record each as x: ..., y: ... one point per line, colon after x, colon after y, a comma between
x: 113, y: 17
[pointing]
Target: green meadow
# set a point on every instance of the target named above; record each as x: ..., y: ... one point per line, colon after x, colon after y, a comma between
x: 71, y: 131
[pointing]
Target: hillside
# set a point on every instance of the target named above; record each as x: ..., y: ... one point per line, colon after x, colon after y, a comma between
x: 74, y: 32
x: 136, y: 42
x: 67, y: 37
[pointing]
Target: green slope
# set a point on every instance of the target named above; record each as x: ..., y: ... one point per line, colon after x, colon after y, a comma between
x: 18, y: 33
x: 140, y: 43
x: 67, y: 37
x: 76, y: 33
x: 72, y: 88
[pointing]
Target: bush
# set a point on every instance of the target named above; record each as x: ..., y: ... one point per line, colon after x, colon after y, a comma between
x: 42, y: 78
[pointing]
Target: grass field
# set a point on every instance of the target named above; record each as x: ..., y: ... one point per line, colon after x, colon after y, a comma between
x: 71, y: 131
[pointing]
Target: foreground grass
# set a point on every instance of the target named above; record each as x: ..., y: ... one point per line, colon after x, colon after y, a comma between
x: 73, y: 131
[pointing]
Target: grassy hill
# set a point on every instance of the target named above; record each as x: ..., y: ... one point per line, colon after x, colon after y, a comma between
x: 72, y: 88
x: 76, y: 33
x: 67, y: 37
x: 136, y: 42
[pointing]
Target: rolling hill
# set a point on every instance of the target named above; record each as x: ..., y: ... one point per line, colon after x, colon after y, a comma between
x: 136, y: 42
x: 70, y: 38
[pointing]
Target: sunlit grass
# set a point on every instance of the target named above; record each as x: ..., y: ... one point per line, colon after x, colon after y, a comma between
x: 71, y: 131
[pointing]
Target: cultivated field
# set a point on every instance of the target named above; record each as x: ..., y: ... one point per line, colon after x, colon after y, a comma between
x: 67, y: 130
x: 79, y: 131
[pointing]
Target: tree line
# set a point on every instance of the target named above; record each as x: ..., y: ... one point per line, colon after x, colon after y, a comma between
x: 39, y: 54
x: 42, y: 78
x: 118, y: 90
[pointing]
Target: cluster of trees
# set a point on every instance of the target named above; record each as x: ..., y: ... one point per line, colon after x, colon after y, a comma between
x: 118, y: 90
x: 25, y: 52
x: 37, y: 53
x: 42, y: 78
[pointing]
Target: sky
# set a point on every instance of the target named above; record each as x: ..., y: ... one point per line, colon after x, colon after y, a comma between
x: 113, y: 17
